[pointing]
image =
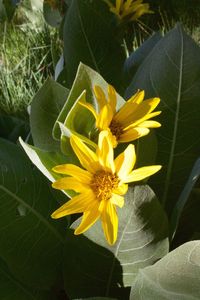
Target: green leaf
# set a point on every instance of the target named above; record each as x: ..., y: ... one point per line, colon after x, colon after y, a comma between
x: 45, y: 161
x: 172, y: 72
x: 10, y: 288
x: 102, y: 270
x: 178, y: 209
x: 176, y: 276
x: 45, y: 108
x: 137, y: 57
x: 31, y: 242
x: 90, y: 36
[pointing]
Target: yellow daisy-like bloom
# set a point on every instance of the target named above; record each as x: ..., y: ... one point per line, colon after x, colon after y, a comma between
x: 100, y: 185
x: 130, y: 122
x: 129, y: 9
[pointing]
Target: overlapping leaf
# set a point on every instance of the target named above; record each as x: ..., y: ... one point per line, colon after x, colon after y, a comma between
x: 100, y: 270
x: 31, y: 243
x: 10, y: 288
x: 175, y: 277
x: 172, y: 72
x: 90, y: 36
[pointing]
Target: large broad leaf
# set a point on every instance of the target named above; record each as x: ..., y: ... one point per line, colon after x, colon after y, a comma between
x: 45, y: 108
x: 90, y: 36
x: 11, y: 289
x: 178, y: 209
x: 175, y: 277
x: 137, y: 57
x: 172, y: 72
x: 31, y: 242
x: 101, y: 270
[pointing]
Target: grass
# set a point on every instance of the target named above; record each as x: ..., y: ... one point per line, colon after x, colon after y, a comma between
x: 27, y: 58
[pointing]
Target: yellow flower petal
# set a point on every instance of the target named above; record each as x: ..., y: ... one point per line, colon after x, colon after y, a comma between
x: 77, y: 204
x: 141, y: 173
x: 109, y: 220
x: 128, y: 109
x: 70, y: 183
x: 87, y: 157
x: 100, y: 96
x: 132, y: 134
x: 145, y: 108
x: 125, y: 162
x: 150, y: 124
x: 141, y: 120
x: 121, y: 190
x: 90, y: 108
x: 75, y: 171
x: 105, y: 151
x: 117, y: 200
x: 112, y: 98
x: 88, y: 219
x: 105, y: 117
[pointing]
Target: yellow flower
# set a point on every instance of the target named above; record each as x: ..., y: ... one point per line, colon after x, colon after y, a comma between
x: 129, y: 9
x: 100, y: 184
x: 130, y: 122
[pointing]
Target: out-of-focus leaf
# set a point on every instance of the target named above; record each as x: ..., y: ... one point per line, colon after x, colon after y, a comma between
x: 45, y: 108
x: 195, y: 173
x: 11, y: 128
x: 91, y: 37
x: 11, y: 289
x: 102, y: 270
x: 52, y: 15
x: 31, y: 242
x: 10, y: 7
x: 172, y: 72
x: 2, y: 12
x: 176, y: 276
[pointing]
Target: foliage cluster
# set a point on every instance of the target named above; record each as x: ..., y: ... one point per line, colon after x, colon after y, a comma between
x: 157, y: 254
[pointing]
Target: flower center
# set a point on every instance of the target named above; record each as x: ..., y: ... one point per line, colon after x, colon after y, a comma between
x: 116, y: 129
x: 103, y: 183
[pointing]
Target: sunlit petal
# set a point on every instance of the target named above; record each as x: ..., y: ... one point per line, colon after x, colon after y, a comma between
x: 121, y: 189
x: 100, y: 96
x: 125, y: 162
x: 90, y: 108
x: 132, y: 134
x: 109, y: 220
x: 105, y: 151
x: 87, y: 157
x: 112, y: 98
x: 105, y: 117
x: 75, y: 171
x: 69, y: 183
x: 117, y: 200
x: 141, y: 173
x: 150, y: 124
x: 88, y: 219
x: 77, y: 204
